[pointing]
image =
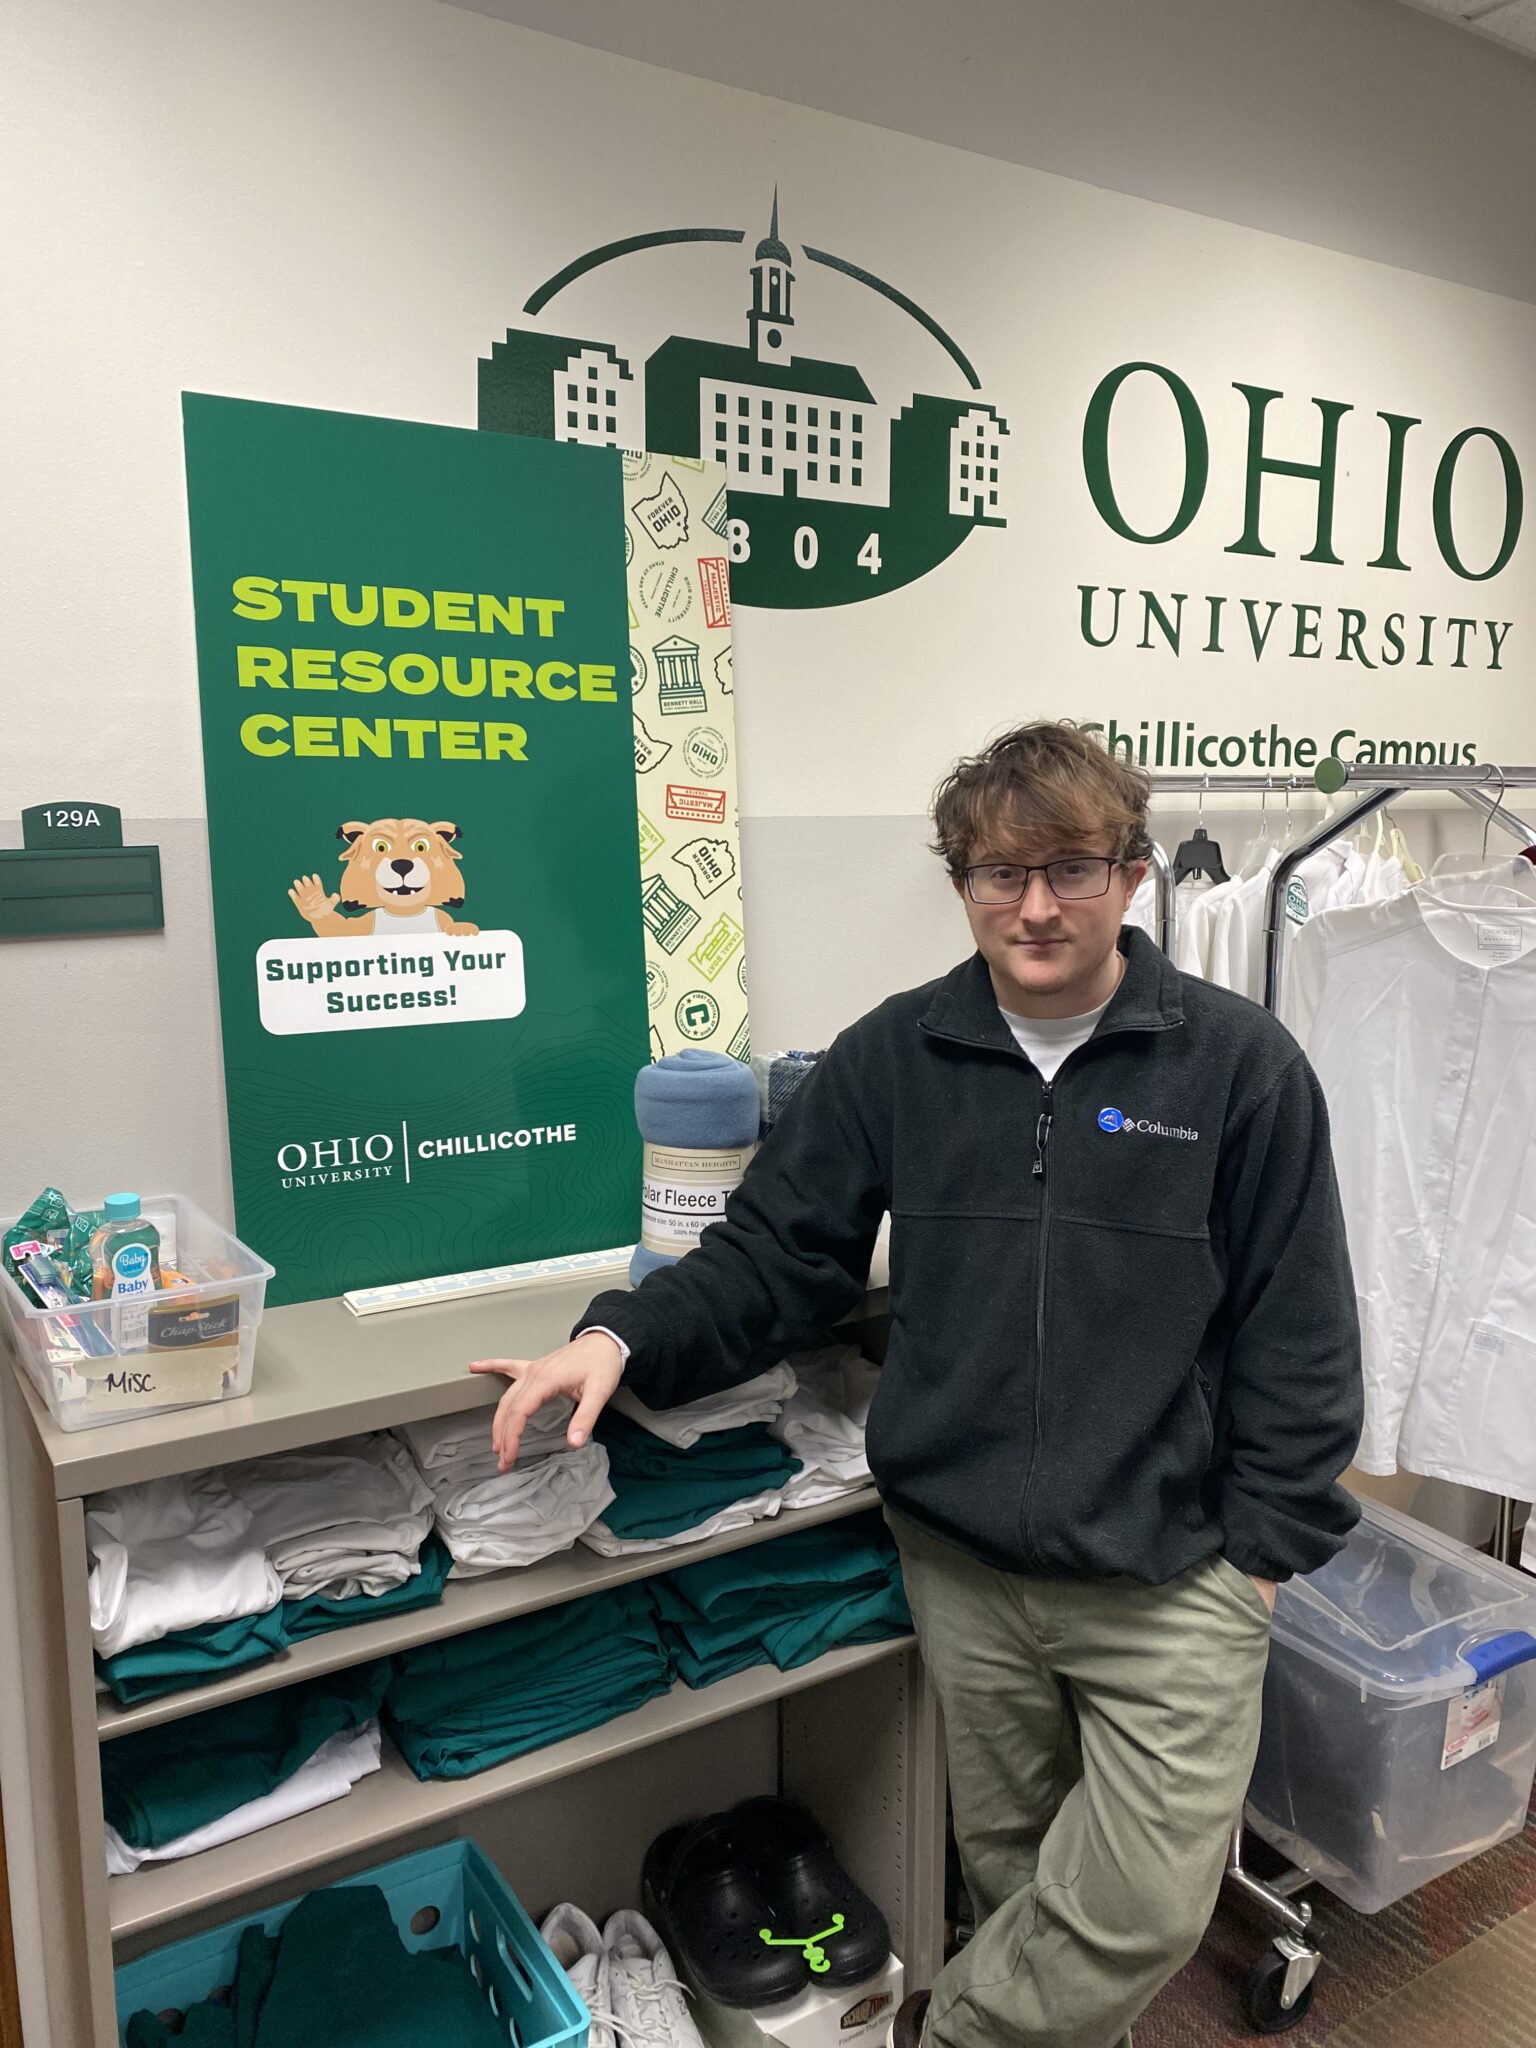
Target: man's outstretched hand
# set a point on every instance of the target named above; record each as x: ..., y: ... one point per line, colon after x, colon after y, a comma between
x: 587, y: 1369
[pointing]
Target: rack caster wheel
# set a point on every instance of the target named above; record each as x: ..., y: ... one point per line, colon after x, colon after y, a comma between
x: 1278, y: 1993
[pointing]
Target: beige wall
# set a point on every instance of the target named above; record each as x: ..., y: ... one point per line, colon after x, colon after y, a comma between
x: 1353, y: 124
x: 386, y: 228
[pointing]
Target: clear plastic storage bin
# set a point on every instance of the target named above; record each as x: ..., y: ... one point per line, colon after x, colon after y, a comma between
x: 198, y: 1342
x: 1399, y: 1712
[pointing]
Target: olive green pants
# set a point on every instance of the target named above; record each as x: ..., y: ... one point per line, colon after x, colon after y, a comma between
x: 1101, y: 1735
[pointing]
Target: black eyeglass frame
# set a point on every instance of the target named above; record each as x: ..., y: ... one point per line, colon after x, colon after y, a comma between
x: 1073, y: 860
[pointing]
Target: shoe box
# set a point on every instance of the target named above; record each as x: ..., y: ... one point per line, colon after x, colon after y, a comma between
x: 857, y: 2016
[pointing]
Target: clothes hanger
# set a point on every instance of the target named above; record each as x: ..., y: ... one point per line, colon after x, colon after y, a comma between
x: 1256, y: 853
x: 1503, y: 878
x: 1290, y: 822
x: 1413, y: 874
x: 1491, y: 815
x: 1459, y: 867
x: 1200, y: 855
x: 1526, y: 853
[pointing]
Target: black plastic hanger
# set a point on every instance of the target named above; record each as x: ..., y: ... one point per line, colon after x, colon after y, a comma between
x: 1200, y: 855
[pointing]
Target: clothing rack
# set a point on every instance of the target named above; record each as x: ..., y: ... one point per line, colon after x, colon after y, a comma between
x: 1176, y: 784
x: 1374, y: 788
x: 1482, y: 788
x: 1378, y: 787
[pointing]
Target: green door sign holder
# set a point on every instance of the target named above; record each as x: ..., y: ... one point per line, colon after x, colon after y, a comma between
x: 73, y: 874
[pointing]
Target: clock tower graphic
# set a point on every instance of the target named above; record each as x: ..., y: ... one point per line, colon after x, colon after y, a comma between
x: 834, y: 494
x: 772, y: 284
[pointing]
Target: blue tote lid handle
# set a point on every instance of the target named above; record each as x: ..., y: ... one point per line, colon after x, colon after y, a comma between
x: 1499, y: 1653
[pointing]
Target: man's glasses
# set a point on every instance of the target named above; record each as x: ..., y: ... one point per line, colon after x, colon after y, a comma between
x: 1074, y: 881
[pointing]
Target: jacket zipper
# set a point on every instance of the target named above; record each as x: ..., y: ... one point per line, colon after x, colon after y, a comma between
x: 1042, y: 1141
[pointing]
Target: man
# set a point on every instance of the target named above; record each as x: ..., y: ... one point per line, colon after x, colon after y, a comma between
x: 1123, y: 1378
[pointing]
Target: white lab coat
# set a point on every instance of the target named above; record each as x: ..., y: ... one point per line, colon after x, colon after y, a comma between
x: 1234, y: 951
x: 1198, y: 902
x: 1419, y: 1015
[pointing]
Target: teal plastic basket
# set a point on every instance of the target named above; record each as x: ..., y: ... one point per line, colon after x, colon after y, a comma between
x: 438, y: 1896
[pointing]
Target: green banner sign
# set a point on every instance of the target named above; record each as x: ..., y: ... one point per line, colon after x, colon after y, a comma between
x: 413, y: 646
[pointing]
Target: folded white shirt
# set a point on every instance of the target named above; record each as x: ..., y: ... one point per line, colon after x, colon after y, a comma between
x: 813, y: 1488
x: 329, y: 1774
x: 757, y: 1507
x: 756, y: 1400
x: 456, y: 1440
x: 492, y: 1520
x: 824, y: 1422
x: 172, y: 1554
x: 340, y: 1519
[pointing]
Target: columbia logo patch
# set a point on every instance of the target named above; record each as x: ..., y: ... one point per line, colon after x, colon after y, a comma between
x: 1114, y: 1121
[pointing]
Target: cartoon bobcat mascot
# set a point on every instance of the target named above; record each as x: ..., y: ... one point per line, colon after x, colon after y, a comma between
x: 399, y: 872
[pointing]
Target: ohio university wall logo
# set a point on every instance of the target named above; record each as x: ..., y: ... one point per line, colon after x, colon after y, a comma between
x: 835, y: 492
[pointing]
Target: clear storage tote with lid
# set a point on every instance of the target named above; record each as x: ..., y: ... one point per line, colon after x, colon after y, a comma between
x: 1399, y: 1712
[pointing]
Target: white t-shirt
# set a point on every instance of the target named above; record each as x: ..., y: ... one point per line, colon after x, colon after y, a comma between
x: 394, y: 924
x: 1048, y: 1040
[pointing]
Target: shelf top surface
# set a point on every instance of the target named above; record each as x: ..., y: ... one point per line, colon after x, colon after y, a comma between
x: 322, y: 1373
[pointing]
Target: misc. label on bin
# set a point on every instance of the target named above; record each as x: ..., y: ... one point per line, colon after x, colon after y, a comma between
x: 1472, y: 1722
x: 158, y: 1379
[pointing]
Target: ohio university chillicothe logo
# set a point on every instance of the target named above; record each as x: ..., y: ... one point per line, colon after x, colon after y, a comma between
x: 834, y: 493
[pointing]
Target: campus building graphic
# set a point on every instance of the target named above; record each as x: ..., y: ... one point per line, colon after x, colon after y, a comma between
x: 678, y: 683
x: 974, y: 489
x: 596, y: 400
x: 834, y: 491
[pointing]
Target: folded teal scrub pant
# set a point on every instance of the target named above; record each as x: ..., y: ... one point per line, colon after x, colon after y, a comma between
x: 1101, y: 1735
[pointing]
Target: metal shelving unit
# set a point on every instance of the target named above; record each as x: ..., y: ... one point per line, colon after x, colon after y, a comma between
x: 856, y: 1733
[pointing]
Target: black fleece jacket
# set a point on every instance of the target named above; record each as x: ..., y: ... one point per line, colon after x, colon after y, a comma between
x: 1123, y: 1326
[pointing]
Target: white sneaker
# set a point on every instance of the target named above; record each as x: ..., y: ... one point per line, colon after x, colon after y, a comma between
x: 573, y: 1940
x: 645, y: 1994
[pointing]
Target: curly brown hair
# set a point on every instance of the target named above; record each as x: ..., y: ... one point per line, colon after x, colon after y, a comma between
x: 1048, y: 783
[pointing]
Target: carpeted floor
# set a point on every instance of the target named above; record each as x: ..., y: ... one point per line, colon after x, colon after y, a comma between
x: 1451, y: 1966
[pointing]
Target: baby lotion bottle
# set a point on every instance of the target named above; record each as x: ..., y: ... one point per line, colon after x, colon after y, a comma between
x: 125, y: 1267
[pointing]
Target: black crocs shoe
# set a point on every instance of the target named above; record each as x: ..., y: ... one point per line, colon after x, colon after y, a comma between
x: 702, y: 1897
x: 842, y: 1932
